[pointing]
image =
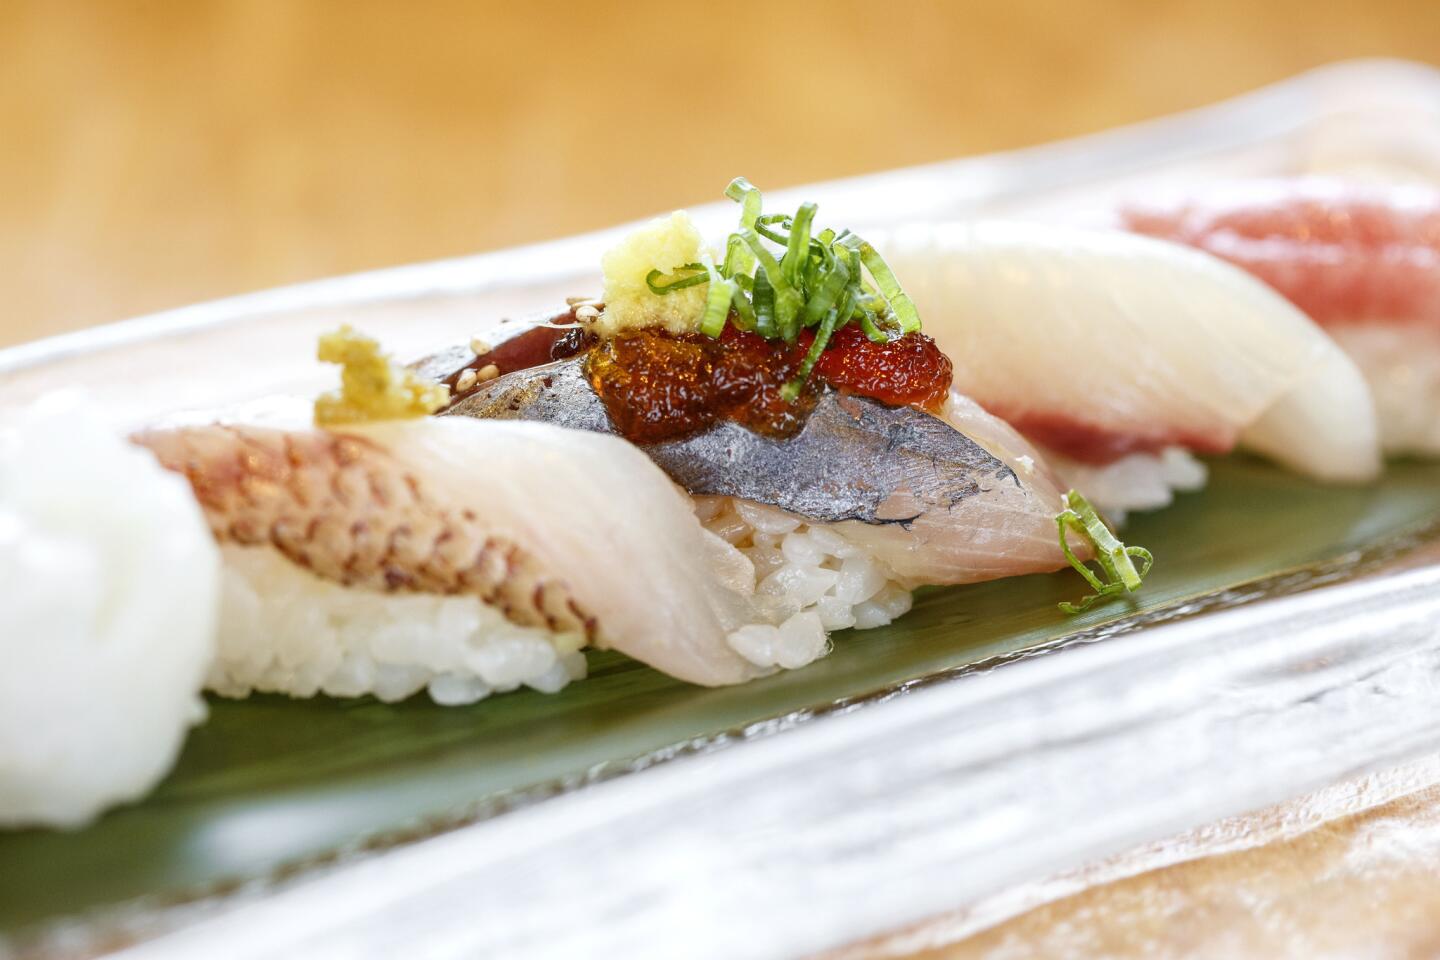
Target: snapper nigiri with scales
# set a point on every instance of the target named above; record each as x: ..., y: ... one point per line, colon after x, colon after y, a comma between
x: 464, y: 557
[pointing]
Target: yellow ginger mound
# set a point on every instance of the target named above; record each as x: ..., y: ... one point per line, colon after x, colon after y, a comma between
x: 664, y: 244
x: 372, y: 386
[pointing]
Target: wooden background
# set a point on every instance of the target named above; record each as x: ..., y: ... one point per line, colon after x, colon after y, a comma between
x: 156, y: 153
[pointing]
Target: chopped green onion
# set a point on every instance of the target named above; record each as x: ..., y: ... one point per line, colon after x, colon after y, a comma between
x: 797, y: 251
x: 717, y: 302
x: 744, y: 311
x: 899, y: 302
x: 1117, y: 561
x: 746, y: 194
x: 820, y: 280
x: 676, y: 282
x: 869, y: 300
x: 741, y: 191
x: 831, y: 287
x: 762, y: 227
x: 764, y: 300
x: 826, y: 330
x: 738, y: 258
x: 787, y: 298
x: 872, y: 330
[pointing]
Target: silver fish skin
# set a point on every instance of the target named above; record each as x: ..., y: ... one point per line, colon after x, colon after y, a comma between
x: 851, y: 461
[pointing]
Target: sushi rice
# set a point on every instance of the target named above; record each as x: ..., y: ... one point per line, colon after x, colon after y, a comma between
x: 1138, y: 482
x: 809, y: 580
x: 285, y: 630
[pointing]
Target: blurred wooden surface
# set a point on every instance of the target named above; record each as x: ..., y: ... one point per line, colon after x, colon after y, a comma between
x: 1349, y: 871
x: 157, y: 153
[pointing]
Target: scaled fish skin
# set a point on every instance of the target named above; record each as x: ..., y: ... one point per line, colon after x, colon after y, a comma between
x: 520, y: 515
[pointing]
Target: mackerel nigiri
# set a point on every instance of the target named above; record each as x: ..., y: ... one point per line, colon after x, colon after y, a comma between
x: 784, y: 380
x: 791, y: 381
x: 1121, y: 356
x: 948, y: 497
x: 1363, y: 260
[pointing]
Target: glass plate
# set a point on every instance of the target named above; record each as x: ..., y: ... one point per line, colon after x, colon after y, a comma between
x: 1289, y: 636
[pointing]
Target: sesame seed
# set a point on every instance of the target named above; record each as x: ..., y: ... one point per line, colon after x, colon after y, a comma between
x: 467, y: 381
x: 479, y: 347
x: 587, y: 313
x: 487, y: 373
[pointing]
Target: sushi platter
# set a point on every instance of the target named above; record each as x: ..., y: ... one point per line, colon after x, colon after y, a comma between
x: 1288, y: 634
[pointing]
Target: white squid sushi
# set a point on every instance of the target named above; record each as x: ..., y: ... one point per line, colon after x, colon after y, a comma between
x: 108, y: 620
x: 1120, y: 357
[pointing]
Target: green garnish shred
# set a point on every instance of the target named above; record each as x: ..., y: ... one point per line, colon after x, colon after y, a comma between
x: 815, y: 280
x: 685, y: 276
x: 1118, y: 571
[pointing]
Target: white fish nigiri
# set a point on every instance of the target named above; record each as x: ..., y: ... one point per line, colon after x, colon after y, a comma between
x: 539, y: 536
x: 111, y: 582
x: 1362, y: 260
x: 1101, y: 346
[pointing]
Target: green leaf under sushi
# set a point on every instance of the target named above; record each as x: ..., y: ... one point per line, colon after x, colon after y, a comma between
x: 348, y: 775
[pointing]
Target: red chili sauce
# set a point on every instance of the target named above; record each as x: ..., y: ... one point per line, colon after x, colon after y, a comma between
x: 658, y: 386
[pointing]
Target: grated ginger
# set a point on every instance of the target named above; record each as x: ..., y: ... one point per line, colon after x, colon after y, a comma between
x: 372, y: 386
x: 663, y: 244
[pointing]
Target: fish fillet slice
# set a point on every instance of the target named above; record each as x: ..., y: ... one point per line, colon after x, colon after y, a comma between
x: 1343, y: 252
x: 1363, y: 260
x: 1134, y: 345
x: 1006, y: 531
x: 958, y: 498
